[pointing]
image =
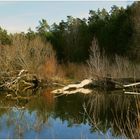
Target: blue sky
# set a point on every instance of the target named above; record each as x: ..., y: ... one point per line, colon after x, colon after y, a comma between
x: 18, y: 16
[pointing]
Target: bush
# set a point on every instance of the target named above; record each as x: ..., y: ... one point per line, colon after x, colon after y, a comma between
x: 31, y: 55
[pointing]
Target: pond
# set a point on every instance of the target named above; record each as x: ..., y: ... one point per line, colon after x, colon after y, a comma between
x: 43, y: 115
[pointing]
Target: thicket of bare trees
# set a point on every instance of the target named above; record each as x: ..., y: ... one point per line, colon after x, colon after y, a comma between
x: 100, y: 66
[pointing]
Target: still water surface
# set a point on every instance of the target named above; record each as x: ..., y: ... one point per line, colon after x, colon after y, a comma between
x: 99, y: 115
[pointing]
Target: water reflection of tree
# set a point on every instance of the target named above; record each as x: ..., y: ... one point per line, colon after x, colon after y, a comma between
x: 69, y: 108
x: 116, y: 111
x: 31, y: 115
x: 43, y: 106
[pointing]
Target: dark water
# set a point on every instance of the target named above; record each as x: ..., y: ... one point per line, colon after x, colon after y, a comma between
x: 100, y: 115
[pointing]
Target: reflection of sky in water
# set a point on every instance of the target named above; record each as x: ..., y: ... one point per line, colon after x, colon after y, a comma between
x: 53, y: 128
x: 64, y: 117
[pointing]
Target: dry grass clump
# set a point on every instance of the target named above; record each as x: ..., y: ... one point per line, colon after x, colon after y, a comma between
x: 75, y: 71
x: 123, y: 68
x: 100, y: 66
x: 49, y: 68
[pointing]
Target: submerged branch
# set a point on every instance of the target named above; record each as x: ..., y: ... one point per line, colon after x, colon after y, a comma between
x: 131, y: 85
x: 134, y: 93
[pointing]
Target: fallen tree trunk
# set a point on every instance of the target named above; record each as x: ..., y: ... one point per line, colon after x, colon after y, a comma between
x: 86, y: 86
x: 74, y: 88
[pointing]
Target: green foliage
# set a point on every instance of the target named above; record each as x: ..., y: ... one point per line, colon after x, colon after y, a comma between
x: 5, y: 39
x: 114, y: 31
x: 43, y: 26
x: 135, y: 16
x: 71, y: 39
x: 117, y: 32
x: 43, y: 29
x: 30, y: 35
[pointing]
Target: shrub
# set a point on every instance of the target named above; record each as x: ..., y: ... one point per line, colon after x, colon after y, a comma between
x: 100, y: 66
x: 30, y: 55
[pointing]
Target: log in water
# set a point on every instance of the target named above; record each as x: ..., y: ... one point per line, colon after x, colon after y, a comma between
x: 86, y: 86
